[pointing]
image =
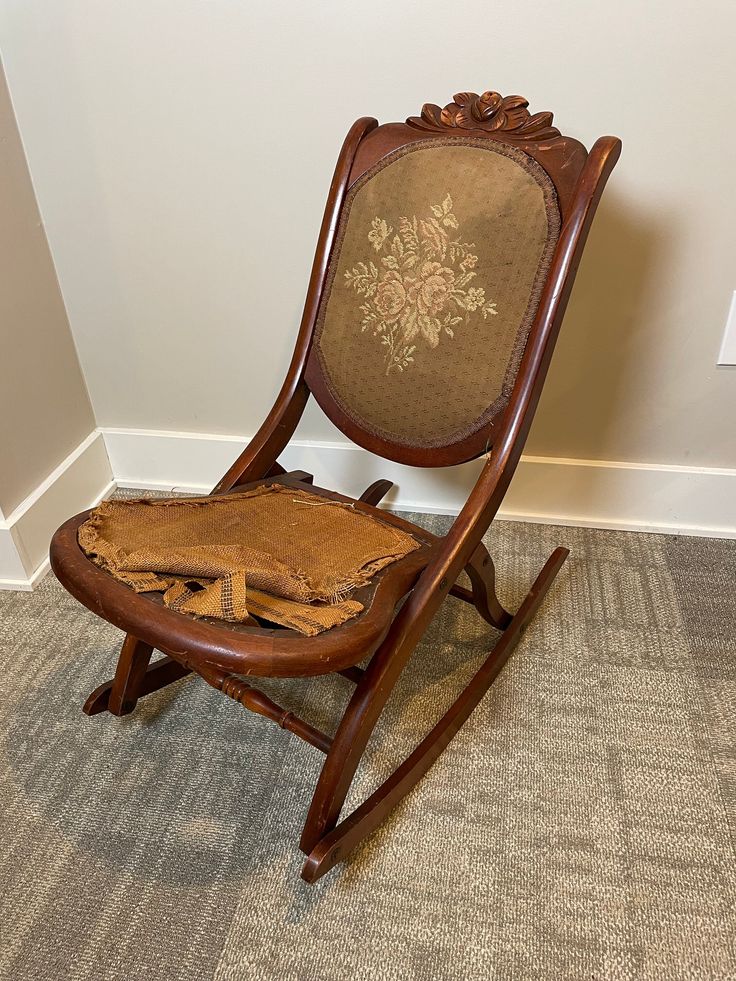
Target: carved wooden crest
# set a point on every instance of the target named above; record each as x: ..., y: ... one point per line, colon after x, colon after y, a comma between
x: 489, y: 113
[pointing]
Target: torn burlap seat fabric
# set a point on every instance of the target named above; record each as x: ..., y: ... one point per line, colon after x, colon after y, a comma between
x: 275, y: 552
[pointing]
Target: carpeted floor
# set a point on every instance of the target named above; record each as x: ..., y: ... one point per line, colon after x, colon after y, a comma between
x: 582, y: 825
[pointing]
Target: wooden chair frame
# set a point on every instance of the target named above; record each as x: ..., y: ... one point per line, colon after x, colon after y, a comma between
x: 220, y: 653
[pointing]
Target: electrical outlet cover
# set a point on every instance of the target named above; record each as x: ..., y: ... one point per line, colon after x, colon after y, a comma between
x: 728, y: 347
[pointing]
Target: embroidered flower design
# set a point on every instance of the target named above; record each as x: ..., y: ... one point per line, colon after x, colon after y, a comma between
x: 379, y: 232
x: 422, y: 288
x: 476, y: 298
x: 391, y: 296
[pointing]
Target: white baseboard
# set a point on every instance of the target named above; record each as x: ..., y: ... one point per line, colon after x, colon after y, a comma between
x: 591, y: 493
x: 80, y: 481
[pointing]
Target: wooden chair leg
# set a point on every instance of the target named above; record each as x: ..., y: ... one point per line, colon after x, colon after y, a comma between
x: 135, y: 657
x: 348, y: 745
x: 482, y: 574
x: 134, y: 677
x: 337, y: 842
x: 371, y: 693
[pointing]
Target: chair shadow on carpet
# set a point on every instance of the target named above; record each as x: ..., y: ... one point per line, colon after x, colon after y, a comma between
x: 191, y: 789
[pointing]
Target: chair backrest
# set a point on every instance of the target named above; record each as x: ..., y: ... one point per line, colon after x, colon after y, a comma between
x: 444, y: 244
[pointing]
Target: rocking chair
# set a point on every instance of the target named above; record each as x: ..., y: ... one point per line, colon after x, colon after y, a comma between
x: 445, y: 260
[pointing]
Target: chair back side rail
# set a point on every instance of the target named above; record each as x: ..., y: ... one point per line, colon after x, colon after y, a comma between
x: 483, y: 502
x: 485, y: 499
x: 279, y: 426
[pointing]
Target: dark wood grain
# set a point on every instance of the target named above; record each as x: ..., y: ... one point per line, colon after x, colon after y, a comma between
x: 165, y: 671
x: 482, y: 595
x: 129, y: 674
x: 254, y: 700
x: 376, y: 492
x: 491, y: 112
x: 263, y: 450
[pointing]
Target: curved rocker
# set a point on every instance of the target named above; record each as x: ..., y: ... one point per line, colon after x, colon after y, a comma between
x: 394, y: 346
x: 334, y: 845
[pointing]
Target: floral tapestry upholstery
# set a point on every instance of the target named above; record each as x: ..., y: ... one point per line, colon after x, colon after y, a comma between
x: 441, y: 255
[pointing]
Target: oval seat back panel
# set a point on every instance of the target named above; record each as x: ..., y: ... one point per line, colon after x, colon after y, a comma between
x: 442, y: 252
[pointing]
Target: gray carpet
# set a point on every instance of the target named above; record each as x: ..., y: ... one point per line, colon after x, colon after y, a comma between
x: 580, y: 826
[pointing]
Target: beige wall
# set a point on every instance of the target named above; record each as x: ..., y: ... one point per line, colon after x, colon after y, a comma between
x: 181, y: 152
x: 44, y: 408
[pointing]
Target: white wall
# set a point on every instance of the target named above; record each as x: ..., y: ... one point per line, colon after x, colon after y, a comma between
x: 53, y: 462
x: 181, y: 152
x: 44, y: 408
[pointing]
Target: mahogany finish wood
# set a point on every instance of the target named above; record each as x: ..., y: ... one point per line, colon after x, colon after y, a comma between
x: 387, y: 632
x: 366, y: 818
x: 261, y: 704
x: 376, y: 492
x: 165, y: 671
x: 482, y: 574
x: 129, y: 675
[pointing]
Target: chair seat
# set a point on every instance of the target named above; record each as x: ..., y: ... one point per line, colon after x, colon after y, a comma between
x: 236, y: 647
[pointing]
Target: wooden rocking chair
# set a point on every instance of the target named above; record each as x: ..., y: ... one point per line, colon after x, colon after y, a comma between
x: 444, y: 264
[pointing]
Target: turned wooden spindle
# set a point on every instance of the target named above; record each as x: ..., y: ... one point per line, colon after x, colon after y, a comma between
x: 255, y: 701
